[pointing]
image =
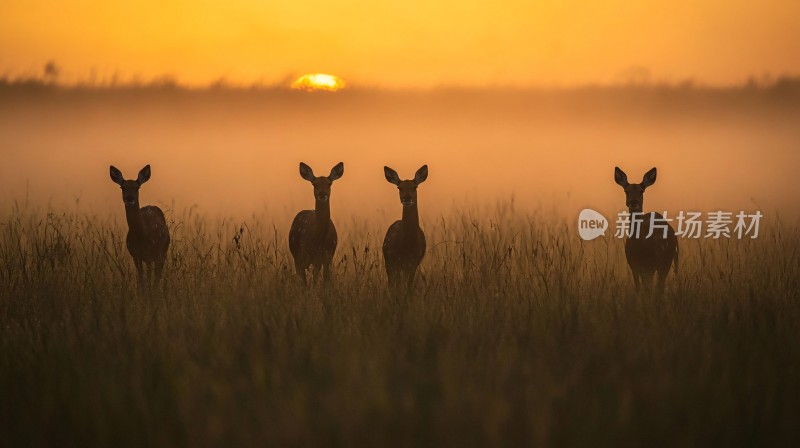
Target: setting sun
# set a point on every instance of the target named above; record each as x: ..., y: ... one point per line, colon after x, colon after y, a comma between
x: 318, y: 81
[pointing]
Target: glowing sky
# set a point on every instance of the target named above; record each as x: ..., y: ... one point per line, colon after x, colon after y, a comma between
x: 412, y: 43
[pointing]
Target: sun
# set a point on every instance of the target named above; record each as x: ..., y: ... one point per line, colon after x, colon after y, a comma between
x: 318, y: 81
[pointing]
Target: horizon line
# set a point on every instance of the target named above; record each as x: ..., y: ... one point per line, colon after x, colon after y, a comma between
x: 52, y: 74
x: 168, y: 82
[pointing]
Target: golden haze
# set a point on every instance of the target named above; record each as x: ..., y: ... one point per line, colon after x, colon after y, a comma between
x: 414, y: 43
x: 237, y: 152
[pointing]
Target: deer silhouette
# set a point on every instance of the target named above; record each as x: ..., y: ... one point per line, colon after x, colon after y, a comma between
x: 148, y: 234
x: 647, y: 256
x: 312, y: 237
x: 404, y: 244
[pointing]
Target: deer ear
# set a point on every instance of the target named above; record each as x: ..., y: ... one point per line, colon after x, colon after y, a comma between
x: 337, y: 171
x: 649, y: 178
x: 620, y: 177
x: 116, y: 175
x: 144, y: 175
x: 391, y: 175
x: 306, y: 172
x: 421, y: 175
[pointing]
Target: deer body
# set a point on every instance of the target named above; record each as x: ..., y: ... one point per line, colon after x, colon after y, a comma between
x: 148, y: 235
x: 647, y: 256
x: 312, y: 237
x: 404, y: 244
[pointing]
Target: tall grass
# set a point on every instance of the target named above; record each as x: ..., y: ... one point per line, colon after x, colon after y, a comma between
x: 517, y: 333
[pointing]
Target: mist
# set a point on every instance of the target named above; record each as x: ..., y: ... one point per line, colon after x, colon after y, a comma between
x: 235, y: 152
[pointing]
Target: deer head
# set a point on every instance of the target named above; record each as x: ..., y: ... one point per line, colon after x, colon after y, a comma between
x: 634, y: 193
x: 130, y: 188
x: 322, y: 184
x: 407, y: 188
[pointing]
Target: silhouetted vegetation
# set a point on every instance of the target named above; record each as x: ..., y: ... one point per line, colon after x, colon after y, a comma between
x: 517, y: 334
x: 635, y: 81
x: 683, y: 100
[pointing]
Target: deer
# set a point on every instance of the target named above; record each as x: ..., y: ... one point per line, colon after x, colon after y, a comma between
x: 647, y: 256
x: 404, y: 244
x: 148, y: 234
x: 312, y: 237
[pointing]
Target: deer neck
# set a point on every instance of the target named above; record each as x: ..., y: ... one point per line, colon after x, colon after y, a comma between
x: 322, y: 211
x: 411, y: 217
x: 134, y: 217
x: 643, y: 221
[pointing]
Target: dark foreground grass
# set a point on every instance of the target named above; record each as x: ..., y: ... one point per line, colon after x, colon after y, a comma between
x: 517, y: 334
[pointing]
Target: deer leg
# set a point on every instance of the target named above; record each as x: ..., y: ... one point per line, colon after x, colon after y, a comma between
x: 159, y: 268
x: 139, y: 271
x: 301, y: 271
x: 392, y: 276
x: 150, y: 272
x: 662, y: 278
x: 397, y: 285
x: 315, y: 272
x: 326, y: 271
x: 648, y: 280
x: 637, y: 282
x: 410, y: 280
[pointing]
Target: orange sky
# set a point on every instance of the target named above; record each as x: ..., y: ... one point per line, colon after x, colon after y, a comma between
x: 410, y: 43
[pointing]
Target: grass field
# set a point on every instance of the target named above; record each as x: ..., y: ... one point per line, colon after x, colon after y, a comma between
x: 517, y: 333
